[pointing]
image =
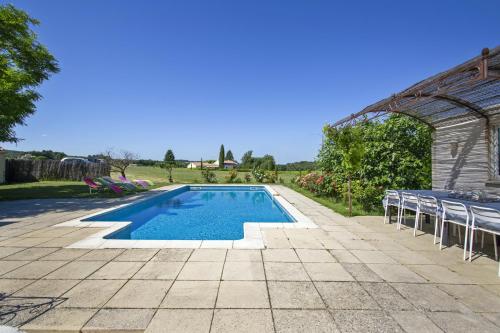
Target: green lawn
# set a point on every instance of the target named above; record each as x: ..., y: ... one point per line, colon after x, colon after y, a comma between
x: 337, y: 206
x: 71, y: 189
x: 54, y: 189
x: 186, y: 176
x: 74, y: 189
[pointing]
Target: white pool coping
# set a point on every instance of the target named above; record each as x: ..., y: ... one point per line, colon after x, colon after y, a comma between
x: 252, y: 230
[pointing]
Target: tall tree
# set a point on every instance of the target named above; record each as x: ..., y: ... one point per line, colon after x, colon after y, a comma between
x: 169, y: 163
x: 24, y: 65
x: 349, y: 142
x: 221, y: 157
x: 247, y: 160
x: 119, y: 162
x: 229, y: 155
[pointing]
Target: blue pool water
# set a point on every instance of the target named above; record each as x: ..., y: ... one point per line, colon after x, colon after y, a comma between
x: 197, y: 213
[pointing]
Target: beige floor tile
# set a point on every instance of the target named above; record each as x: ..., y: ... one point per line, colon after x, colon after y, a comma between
x: 241, y: 270
x: 34, y: 270
x: 331, y: 244
x: 285, y: 271
x: 243, y: 255
x: 172, y: 255
x: 300, y: 295
x: 462, y: 323
x: 76, y: 270
x: 395, y: 273
x: 10, y: 286
x: 327, y: 272
x: 117, y: 270
x: 439, y: 274
x: 31, y: 254
x: 136, y: 255
x: 280, y: 255
x: 201, y: 271
x: 140, y: 294
x: 65, y: 254
x: 386, y: 296
x: 119, y: 320
x: 373, y: 257
x: 159, y: 270
x: 361, y: 272
x: 365, y: 321
x: 7, y: 251
x: 346, y: 295
x: 415, y: 322
x: 307, y: 255
x: 356, y: 244
x: 409, y: 257
x: 344, y: 256
x: 475, y: 297
x: 305, y: 243
x: 8, y: 266
x: 298, y: 321
x: 101, y: 255
x: 181, y: 321
x: 91, y: 293
x: 58, y: 242
x: 218, y: 255
x: 60, y: 320
x: 191, y: 294
x: 242, y: 320
x: 24, y: 242
x: 277, y: 242
x: 242, y: 294
x: 427, y: 297
x: 47, y: 288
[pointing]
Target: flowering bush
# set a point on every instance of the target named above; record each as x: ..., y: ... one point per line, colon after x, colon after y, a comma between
x: 259, y: 175
x: 320, y: 184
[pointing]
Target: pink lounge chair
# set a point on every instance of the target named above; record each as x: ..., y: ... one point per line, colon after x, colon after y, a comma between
x: 143, y: 183
x: 93, y: 185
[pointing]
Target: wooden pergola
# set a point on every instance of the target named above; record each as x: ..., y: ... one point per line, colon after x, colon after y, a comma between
x: 465, y: 92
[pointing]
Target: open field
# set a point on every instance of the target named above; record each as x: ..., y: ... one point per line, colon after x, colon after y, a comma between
x: 186, y: 176
x: 72, y: 189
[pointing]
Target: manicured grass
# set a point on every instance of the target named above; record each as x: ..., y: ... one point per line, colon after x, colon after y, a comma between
x: 71, y: 189
x: 75, y: 189
x: 337, y: 206
x: 186, y: 176
x: 53, y: 189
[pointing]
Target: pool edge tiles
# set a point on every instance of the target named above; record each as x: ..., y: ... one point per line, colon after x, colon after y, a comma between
x: 252, y: 231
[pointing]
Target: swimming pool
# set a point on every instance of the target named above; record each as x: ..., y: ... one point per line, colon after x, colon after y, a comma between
x: 196, y: 213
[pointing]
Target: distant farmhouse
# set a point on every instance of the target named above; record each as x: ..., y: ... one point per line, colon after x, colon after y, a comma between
x: 228, y: 164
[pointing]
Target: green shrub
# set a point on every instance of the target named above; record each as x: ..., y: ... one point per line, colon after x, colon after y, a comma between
x: 248, y: 178
x: 209, y: 176
x: 270, y: 177
x: 231, y: 177
x: 259, y: 175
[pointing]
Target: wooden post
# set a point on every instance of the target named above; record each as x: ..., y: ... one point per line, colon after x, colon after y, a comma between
x: 2, y: 166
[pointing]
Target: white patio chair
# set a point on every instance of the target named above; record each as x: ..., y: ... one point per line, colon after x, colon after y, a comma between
x: 409, y: 202
x: 428, y: 205
x: 391, y: 198
x: 456, y: 213
x: 485, y: 220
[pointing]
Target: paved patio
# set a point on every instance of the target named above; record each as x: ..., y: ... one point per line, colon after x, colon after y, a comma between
x: 350, y: 275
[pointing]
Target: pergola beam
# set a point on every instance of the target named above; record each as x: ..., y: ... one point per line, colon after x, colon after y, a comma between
x: 450, y: 87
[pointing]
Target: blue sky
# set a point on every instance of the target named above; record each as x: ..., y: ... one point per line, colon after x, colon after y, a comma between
x: 265, y: 76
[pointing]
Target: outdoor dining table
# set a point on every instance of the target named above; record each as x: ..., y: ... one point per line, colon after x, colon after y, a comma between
x: 444, y: 195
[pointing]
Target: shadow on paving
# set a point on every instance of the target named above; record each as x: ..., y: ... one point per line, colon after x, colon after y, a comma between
x: 17, y: 311
x: 31, y: 208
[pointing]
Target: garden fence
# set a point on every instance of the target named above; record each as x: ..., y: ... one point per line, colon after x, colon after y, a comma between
x: 35, y: 170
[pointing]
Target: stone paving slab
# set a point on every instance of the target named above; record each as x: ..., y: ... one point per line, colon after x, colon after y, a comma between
x: 349, y: 275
